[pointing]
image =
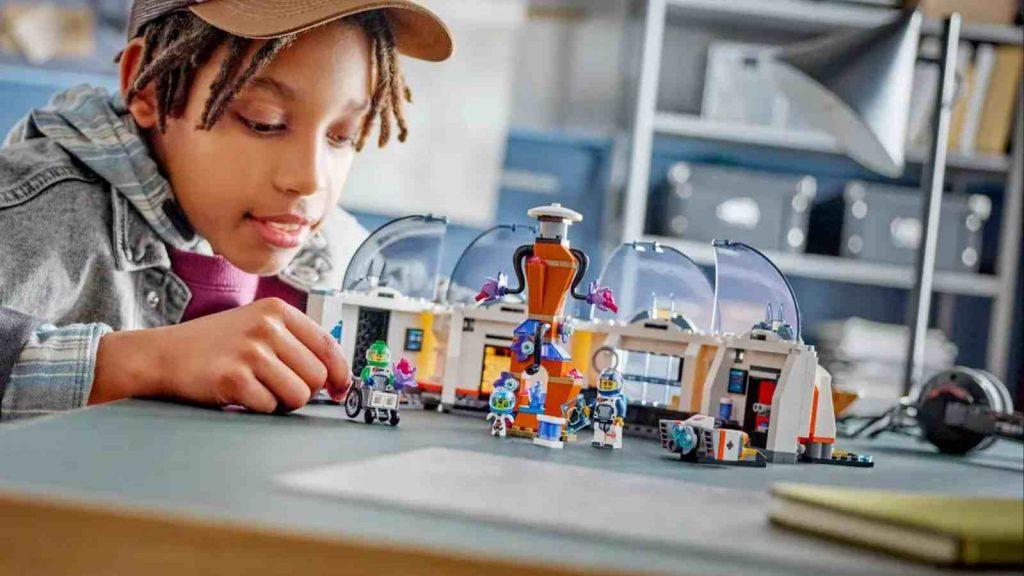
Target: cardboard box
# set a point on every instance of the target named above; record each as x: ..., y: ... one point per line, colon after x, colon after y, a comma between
x: 978, y: 11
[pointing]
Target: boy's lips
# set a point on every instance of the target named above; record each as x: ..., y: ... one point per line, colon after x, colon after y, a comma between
x: 282, y: 231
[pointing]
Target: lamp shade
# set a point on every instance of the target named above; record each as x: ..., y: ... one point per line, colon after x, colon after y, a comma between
x: 856, y: 86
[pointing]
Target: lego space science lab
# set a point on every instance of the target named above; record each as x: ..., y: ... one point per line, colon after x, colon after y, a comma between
x: 718, y: 374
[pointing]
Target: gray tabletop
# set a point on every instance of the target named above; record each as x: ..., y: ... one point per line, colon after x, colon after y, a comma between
x: 224, y: 464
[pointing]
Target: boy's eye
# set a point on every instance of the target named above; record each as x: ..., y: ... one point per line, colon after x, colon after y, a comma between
x: 262, y: 127
x: 340, y: 141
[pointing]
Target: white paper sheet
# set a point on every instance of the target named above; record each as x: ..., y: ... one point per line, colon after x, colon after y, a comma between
x: 577, y: 500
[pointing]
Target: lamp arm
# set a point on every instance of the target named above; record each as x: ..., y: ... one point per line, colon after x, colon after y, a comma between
x: 931, y: 184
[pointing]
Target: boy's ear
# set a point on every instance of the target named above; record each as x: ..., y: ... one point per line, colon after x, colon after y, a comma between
x: 143, y: 106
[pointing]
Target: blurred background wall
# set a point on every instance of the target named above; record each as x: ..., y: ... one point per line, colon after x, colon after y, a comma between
x: 539, y: 106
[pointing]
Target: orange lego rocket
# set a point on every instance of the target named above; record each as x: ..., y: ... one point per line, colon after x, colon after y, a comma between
x: 548, y: 270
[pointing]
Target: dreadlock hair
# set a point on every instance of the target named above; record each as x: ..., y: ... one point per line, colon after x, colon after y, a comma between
x: 175, y: 46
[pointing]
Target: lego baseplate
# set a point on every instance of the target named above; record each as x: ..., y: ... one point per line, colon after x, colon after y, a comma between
x: 759, y: 462
x: 848, y: 459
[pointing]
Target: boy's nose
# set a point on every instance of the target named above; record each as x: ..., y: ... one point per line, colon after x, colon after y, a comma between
x: 301, y: 172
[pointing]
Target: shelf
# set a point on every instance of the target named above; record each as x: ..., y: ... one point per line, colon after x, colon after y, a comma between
x: 691, y: 126
x: 836, y: 269
x: 803, y: 16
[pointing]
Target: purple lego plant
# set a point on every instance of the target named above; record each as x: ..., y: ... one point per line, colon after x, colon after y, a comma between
x: 405, y: 375
x: 493, y: 289
x: 601, y: 297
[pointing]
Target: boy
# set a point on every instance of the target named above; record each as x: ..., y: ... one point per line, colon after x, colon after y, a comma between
x: 158, y: 244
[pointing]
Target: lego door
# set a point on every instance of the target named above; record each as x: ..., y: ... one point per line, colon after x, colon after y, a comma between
x: 371, y: 326
x: 497, y: 359
x: 758, y: 414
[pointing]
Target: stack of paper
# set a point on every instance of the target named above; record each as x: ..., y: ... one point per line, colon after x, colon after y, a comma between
x: 868, y: 358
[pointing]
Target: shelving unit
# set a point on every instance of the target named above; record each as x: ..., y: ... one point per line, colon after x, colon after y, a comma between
x: 692, y: 126
x: 836, y: 269
x: 803, y: 18
x: 808, y: 17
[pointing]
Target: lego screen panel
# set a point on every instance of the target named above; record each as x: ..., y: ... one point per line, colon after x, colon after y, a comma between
x: 413, y: 339
x: 737, y: 381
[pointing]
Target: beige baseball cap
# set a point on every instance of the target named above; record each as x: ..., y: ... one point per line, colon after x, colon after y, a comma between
x: 419, y: 33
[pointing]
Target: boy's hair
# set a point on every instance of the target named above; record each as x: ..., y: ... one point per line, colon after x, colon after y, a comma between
x: 178, y: 44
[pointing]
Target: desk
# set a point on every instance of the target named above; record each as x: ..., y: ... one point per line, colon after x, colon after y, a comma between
x: 196, y: 487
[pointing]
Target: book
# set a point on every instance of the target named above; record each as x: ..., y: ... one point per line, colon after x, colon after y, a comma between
x: 922, y: 96
x: 962, y: 95
x: 937, y: 528
x: 927, y: 83
x: 984, y: 62
x: 1000, y: 98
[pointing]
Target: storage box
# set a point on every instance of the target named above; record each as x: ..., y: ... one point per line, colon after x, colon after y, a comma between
x: 706, y: 202
x: 739, y: 88
x: 980, y: 11
x: 883, y: 224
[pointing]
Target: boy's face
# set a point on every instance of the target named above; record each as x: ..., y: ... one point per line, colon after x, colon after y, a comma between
x: 274, y: 165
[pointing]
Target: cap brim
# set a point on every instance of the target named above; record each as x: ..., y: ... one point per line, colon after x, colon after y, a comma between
x: 419, y: 33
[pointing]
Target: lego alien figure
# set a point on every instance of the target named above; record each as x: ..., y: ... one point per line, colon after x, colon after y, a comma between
x: 503, y: 403
x: 608, y: 410
x: 380, y: 386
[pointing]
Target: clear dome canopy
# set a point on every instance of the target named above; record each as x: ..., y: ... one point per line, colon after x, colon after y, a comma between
x: 650, y: 280
x: 487, y: 255
x: 747, y: 286
x: 403, y: 255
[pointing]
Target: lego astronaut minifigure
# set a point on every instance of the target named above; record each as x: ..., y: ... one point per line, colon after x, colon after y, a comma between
x: 608, y: 410
x: 503, y: 403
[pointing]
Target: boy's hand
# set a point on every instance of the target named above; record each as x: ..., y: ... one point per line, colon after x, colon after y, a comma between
x: 266, y: 356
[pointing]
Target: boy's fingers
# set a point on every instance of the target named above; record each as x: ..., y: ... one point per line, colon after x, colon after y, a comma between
x: 322, y: 344
x: 290, y: 391
x: 255, y: 397
x: 337, y: 390
x: 300, y: 359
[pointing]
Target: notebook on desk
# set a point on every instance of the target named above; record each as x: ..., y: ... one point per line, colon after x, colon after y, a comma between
x: 936, y: 528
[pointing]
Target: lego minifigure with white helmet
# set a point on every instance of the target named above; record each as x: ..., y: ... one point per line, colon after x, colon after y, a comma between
x: 608, y: 410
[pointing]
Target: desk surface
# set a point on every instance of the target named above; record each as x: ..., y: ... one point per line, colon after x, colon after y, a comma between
x: 221, y: 465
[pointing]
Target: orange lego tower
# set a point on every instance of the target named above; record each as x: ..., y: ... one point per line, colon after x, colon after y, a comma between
x: 549, y: 270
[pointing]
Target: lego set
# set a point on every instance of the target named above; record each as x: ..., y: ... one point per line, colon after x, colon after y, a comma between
x: 658, y: 334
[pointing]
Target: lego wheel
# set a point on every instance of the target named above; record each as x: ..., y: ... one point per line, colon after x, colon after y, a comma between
x: 353, y: 402
x: 370, y: 415
x: 394, y: 419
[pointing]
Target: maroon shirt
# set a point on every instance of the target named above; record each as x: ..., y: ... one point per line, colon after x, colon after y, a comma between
x: 216, y: 285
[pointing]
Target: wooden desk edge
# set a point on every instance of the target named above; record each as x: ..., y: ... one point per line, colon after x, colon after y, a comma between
x: 48, y: 534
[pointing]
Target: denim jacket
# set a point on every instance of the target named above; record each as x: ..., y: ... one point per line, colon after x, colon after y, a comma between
x: 85, y: 220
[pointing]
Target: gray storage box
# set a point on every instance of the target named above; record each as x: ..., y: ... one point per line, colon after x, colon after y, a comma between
x: 766, y: 210
x: 883, y: 224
